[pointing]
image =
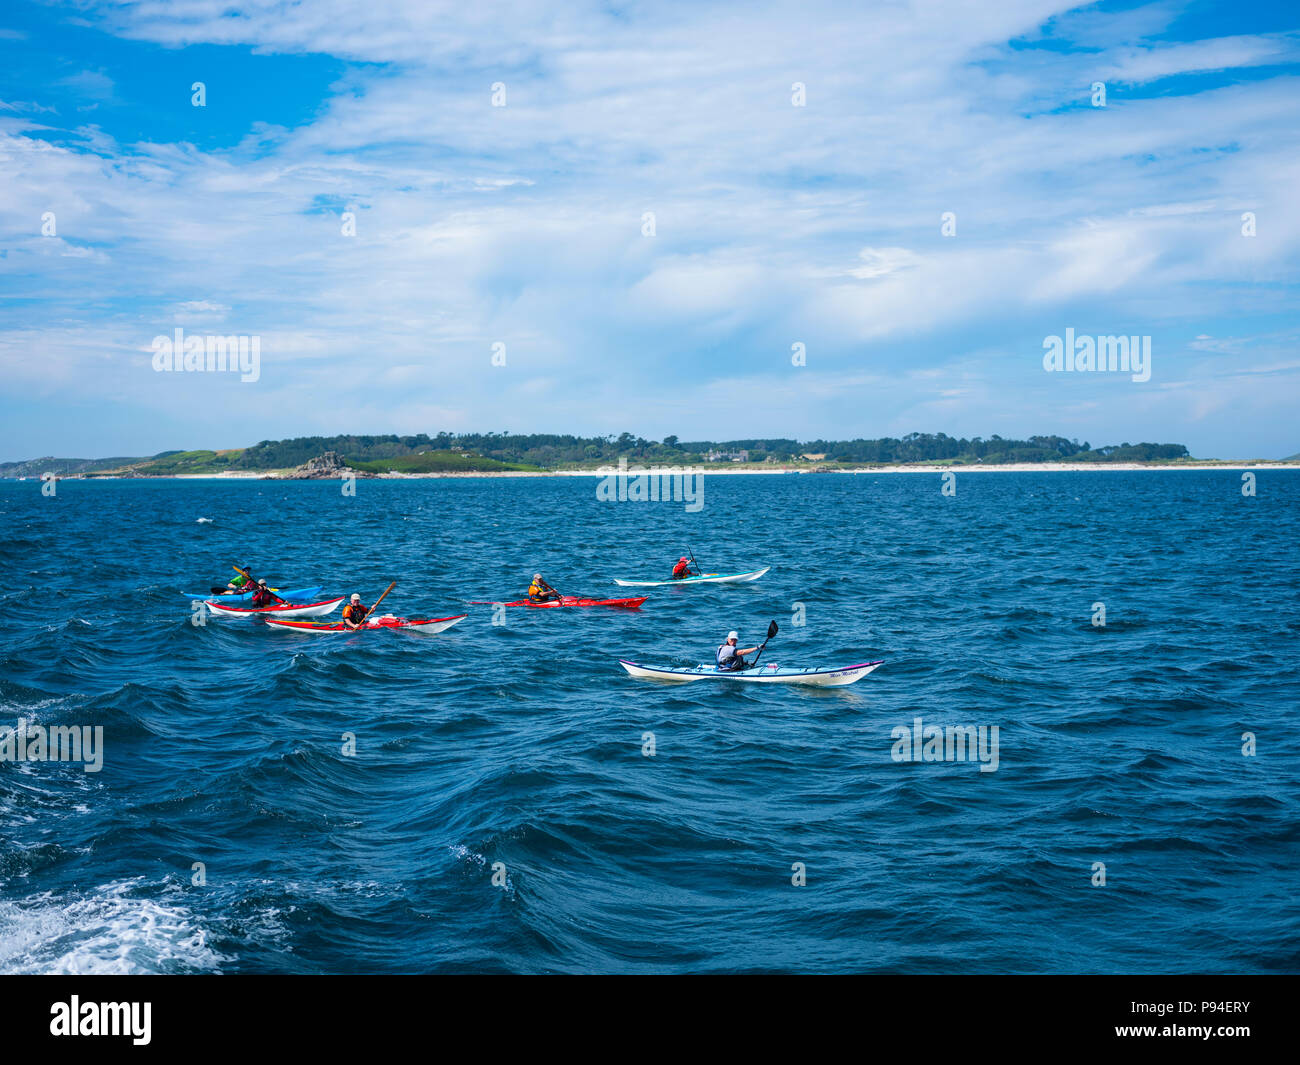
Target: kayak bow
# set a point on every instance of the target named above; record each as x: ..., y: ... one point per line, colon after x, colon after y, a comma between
x: 706, y: 578
x: 773, y: 674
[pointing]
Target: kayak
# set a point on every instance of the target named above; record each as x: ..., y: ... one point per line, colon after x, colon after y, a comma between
x: 706, y: 578
x: 247, y: 597
x: 283, y: 610
x: 773, y: 674
x: 578, y: 600
x: 425, y: 625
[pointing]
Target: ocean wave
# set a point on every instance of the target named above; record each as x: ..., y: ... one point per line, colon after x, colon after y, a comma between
x: 524, y: 744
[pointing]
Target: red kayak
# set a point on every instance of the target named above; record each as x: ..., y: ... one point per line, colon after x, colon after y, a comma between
x: 578, y: 600
x: 426, y: 625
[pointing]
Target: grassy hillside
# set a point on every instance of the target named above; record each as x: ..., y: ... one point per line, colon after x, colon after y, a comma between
x: 440, y: 462
x: 173, y: 462
x: 64, y: 467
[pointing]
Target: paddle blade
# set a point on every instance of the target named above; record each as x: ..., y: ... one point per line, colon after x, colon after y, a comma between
x: 772, y: 630
x: 381, y: 599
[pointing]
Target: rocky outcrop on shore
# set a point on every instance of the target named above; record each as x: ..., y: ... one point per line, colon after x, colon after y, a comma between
x: 328, y: 466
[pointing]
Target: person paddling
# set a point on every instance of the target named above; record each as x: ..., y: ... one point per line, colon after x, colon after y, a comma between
x: 237, y: 586
x: 683, y: 569
x: 541, y: 592
x: 730, y: 657
x: 262, y: 595
x: 354, y: 614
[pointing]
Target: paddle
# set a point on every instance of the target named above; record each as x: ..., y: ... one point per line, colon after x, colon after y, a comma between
x: 249, y: 577
x: 380, y: 600
x: 772, y: 630
x: 559, y: 595
x: 698, y: 572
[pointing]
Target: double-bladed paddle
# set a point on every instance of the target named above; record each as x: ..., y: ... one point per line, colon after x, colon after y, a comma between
x: 377, y: 602
x: 249, y: 577
x: 559, y: 597
x: 772, y: 630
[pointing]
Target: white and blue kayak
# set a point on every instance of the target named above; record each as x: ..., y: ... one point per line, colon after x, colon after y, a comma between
x: 275, y: 610
x: 773, y: 674
x: 234, y: 598
x: 704, y: 578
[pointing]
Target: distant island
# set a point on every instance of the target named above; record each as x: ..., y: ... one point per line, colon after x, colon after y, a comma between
x: 502, y: 453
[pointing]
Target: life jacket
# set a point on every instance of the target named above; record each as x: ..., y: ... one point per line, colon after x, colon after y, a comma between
x: 239, y: 581
x: 262, y: 597
x: 731, y: 661
x: 537, y: 590
x: 354, y: 612
x: 682, y: 569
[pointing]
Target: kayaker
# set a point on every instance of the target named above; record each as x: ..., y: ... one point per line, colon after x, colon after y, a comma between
x: 683, y: 569
x: 354, y: 614
x: 730, y: 657
x: 541, y: 592
x: 262, y: 595
x: 236, y: 587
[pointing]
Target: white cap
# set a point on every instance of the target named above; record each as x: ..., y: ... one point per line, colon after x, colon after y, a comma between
x: 732, y: 635
x: 356, y: 598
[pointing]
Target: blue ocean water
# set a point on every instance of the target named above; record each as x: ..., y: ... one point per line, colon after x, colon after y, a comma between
x: 522, y: 743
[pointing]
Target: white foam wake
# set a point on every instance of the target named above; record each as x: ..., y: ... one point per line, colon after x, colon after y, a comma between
x: 110, y: 930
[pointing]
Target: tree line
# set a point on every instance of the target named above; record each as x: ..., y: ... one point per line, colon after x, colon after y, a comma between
x: 551, y: 451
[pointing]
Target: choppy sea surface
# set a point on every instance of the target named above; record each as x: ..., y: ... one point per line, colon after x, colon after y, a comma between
x: 501, y: 811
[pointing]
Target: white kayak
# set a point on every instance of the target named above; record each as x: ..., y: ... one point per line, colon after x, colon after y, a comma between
x: 773, y: 674
x: 706, y: 578
x: 276, y: 610
x: 387, y: 621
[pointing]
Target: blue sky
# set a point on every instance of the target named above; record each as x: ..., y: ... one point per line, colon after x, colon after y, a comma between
x: 773, y: 224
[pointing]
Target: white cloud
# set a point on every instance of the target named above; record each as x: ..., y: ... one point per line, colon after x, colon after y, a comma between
x: 775, y: 224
